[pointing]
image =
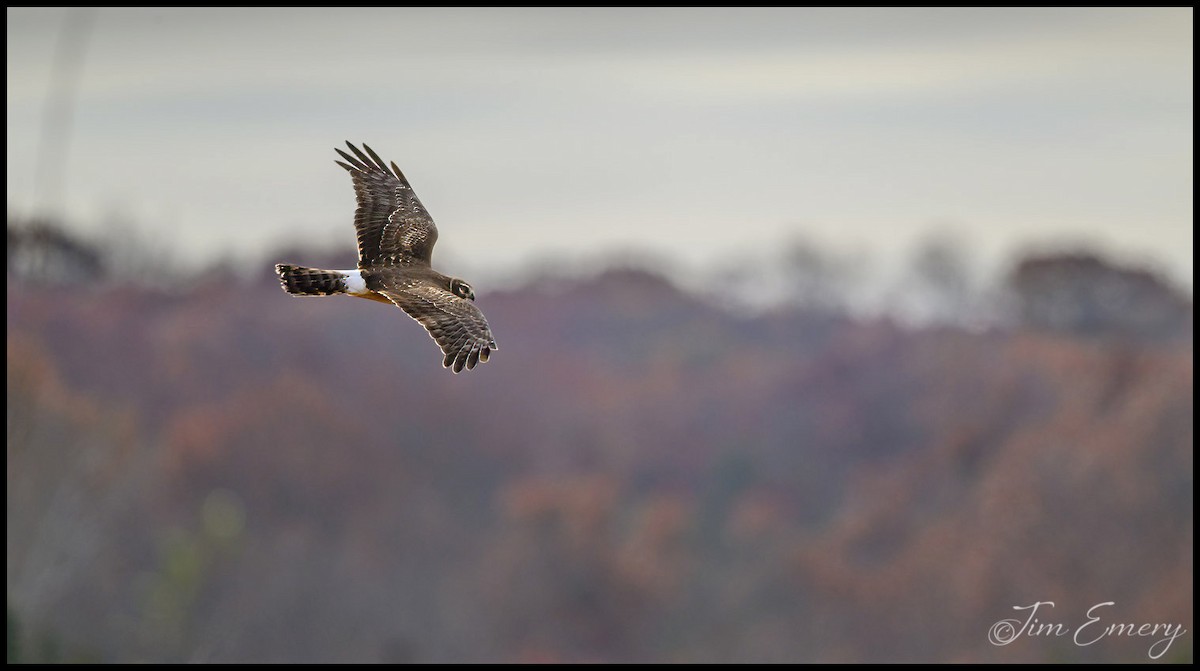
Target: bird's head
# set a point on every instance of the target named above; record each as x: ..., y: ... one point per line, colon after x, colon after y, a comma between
x: 461, y: 289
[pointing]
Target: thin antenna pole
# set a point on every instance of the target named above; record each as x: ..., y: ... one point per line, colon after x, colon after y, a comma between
x: 58, y: 112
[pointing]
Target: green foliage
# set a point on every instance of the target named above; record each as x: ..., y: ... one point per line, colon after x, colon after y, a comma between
x: 14, y: 637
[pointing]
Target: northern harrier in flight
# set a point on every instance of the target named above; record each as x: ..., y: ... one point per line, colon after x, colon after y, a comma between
x: 395, y: 242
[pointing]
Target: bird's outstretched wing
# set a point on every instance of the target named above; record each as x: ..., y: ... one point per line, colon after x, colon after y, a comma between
x: 457, y: 326
x: 393, y: 226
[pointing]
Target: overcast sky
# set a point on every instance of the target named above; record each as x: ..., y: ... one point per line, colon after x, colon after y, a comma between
x: 698, y: 134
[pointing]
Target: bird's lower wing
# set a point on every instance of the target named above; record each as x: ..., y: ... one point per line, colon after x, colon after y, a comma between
x: 457, y: 326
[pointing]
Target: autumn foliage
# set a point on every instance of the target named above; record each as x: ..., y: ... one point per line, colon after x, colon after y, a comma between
x: 226, y: 473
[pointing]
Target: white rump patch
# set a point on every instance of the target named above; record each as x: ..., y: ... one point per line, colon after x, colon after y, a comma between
x: 355, y: 284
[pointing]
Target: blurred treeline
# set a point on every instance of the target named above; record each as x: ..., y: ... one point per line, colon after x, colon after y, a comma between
x: 203, y: 469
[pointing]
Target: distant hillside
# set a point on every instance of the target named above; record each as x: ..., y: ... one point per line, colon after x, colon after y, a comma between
x: 226, y: 473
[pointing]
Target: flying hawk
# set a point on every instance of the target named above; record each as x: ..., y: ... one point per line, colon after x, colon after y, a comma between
x: 395, y: 242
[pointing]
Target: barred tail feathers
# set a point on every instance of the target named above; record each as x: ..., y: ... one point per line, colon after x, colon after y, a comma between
x: 301, y: 281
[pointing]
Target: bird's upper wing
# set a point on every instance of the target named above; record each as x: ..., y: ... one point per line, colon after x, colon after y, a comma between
x: 457, y: 326
x: 393, y: 226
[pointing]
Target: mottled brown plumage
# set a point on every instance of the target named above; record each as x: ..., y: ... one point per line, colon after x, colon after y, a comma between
x: 396, y: 236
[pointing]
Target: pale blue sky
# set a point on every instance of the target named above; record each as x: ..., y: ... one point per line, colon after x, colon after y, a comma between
x: 697, y: 134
